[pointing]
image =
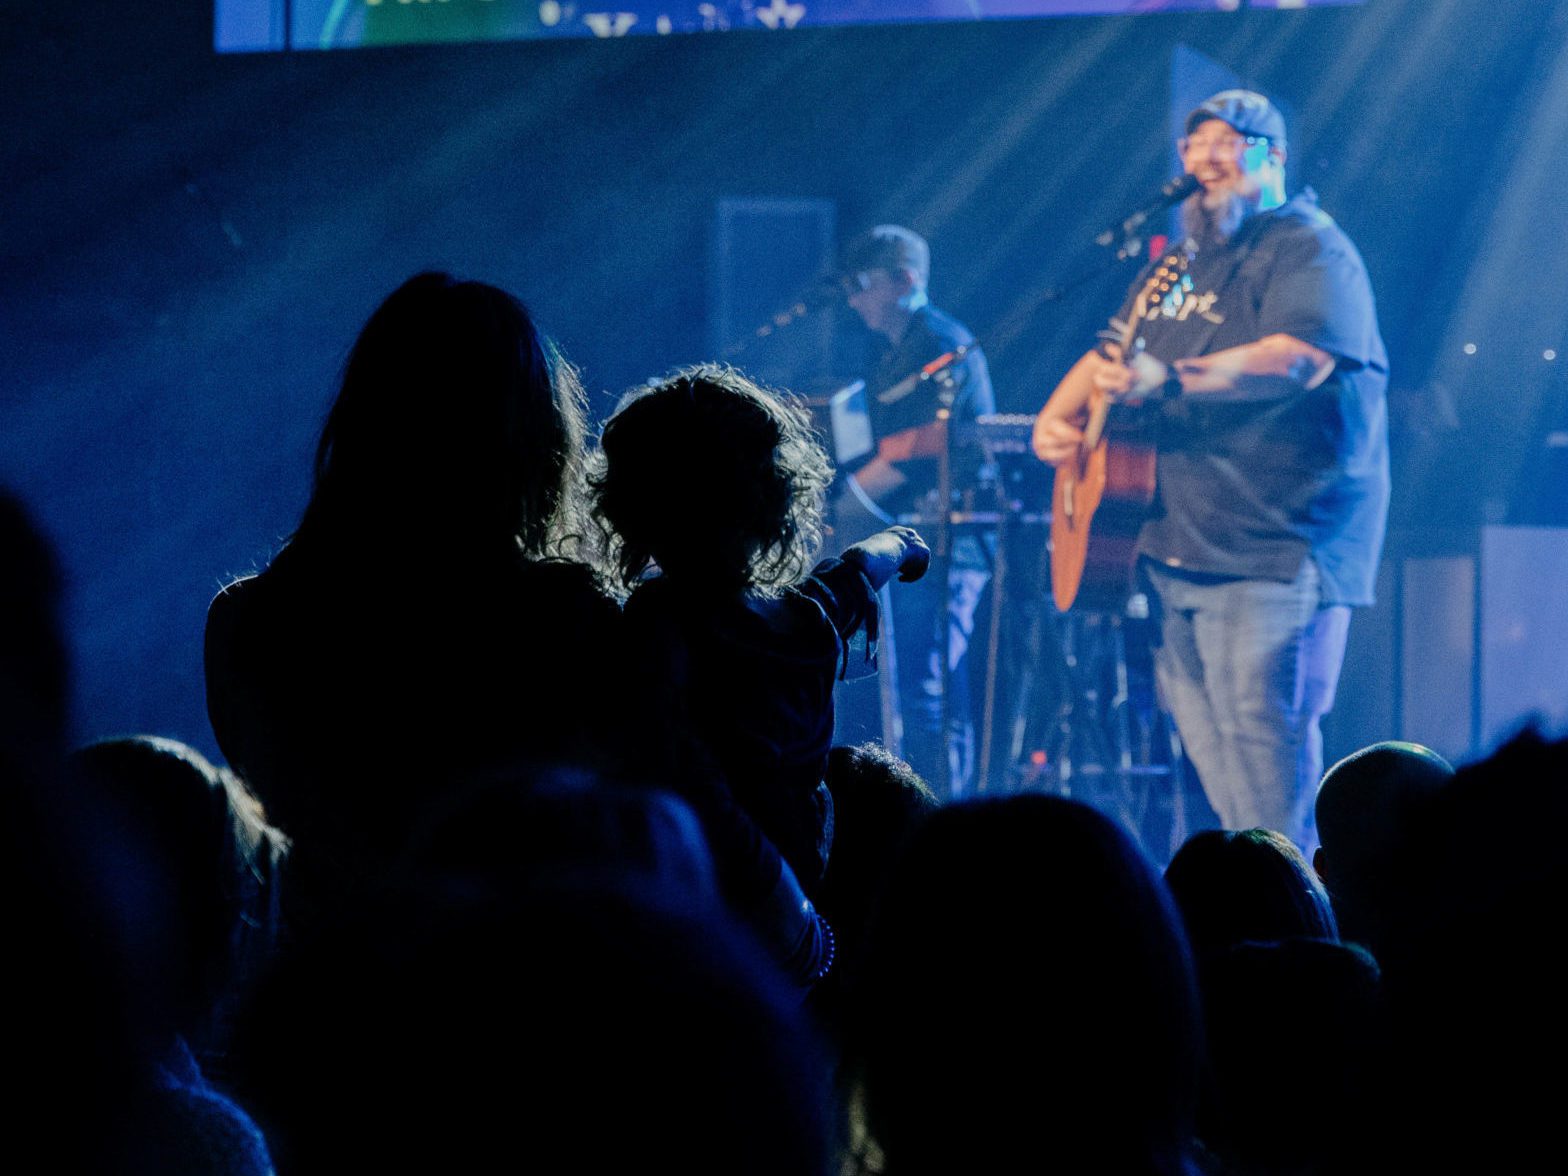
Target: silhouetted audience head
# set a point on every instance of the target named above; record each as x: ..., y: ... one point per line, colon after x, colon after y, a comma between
x: 1368, y: 811
x: 584, y: 1028
x: 1233, y: 887
x: 1295, y: 1040
x: 1490, y: 841
x: 82, y: 1026
x: 457, y: 426
x: 713, y: 478
x: 34, y: 667
x: 878, y: 799
x: 71, y: 1033
x: 1473, y: 966
x: 1028, y: 1003
x: 200, y: 838
x: 565, y: 825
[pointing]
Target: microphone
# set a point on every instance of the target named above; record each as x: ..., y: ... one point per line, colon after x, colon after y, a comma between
x: 1172, y: 192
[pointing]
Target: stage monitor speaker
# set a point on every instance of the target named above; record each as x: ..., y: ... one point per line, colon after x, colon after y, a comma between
x: 1365, y: 707
x: 1482, y: 636
x: 1523, y: 630
x: 1437, y: 664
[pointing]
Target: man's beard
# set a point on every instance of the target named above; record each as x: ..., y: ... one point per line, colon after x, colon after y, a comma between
x: 1218, y: 224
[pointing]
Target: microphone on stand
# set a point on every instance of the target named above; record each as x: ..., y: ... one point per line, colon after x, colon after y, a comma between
x: 821, y: 294
x: 825, y: 292
x: 1173, y: 192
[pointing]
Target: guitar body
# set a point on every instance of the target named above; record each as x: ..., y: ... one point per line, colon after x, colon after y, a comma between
x: 1113, y: 476
x: 1074, y: 501
x: 1095, y: 534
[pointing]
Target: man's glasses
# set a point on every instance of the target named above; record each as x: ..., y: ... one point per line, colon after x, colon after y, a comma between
x: 854, y: 283
x: 1224, y: 144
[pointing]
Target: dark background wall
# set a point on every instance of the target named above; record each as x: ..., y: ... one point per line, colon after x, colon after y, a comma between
x: 188, y: 242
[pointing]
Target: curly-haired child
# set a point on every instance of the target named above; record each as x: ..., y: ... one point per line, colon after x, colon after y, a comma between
x: 709, y: 493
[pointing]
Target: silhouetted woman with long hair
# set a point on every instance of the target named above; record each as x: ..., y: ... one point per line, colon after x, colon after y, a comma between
x: 426, y: 625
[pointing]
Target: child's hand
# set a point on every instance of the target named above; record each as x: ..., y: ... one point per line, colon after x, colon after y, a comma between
x: 897, y: 549
x: 917, y: 556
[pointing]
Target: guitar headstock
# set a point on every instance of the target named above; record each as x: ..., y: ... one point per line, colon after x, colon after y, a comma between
x: 1118, y: 343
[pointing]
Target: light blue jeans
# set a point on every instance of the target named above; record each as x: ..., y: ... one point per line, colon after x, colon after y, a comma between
x: 1247, y: 669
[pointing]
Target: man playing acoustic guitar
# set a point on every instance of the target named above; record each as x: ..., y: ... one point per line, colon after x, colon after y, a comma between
x: 1261, y: 347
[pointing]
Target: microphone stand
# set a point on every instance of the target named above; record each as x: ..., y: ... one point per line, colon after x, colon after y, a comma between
x: 941, y: 562
x: 809, y: 303
x: 1129, y: 249
x: 1131, y: 246
x: 1129, y: 234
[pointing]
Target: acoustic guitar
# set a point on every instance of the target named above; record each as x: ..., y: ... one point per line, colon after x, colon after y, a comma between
x: 1112, y: 474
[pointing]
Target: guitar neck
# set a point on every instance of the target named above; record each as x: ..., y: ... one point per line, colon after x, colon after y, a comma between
x: 1099, y: 413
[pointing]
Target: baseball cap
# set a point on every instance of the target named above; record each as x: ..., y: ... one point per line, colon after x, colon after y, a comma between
x: 1244, y: 110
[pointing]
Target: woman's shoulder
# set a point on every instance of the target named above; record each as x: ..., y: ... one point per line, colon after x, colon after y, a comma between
x: 259, y: 609
x: 244, y: 591
x: 273, y: 581
x: 236, y: 601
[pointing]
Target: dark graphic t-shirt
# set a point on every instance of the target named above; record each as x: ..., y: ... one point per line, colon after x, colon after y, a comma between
x: 1251, y: 484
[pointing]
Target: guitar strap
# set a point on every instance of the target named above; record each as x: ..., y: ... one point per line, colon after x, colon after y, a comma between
x: 1242, y: 250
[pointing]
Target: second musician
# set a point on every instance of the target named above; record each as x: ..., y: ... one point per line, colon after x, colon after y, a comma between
x: 885, y: 273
